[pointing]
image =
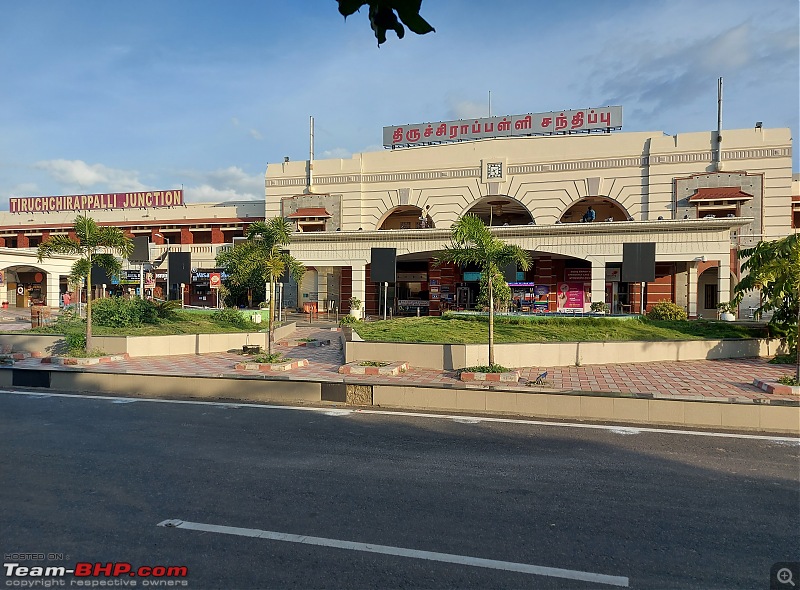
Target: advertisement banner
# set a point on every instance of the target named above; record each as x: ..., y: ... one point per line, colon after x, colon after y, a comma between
x: 214, y: 280
x: 570, y: 296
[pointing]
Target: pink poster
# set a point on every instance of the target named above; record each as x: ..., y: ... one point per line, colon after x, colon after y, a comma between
x: 570, y: 296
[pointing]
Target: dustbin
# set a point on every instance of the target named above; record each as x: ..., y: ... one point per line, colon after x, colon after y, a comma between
x: 36, y: 316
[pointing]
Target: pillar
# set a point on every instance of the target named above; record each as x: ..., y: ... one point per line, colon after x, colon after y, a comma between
x: 53, y: 290
x: 691, y: 286
x: 598, y: 281
x: 724, y: 280
x: 359, y: 281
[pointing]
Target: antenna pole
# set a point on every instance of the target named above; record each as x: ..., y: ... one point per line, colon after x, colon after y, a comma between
x: 311, y: 154
x: 719, y: 125
x: 490, y: 103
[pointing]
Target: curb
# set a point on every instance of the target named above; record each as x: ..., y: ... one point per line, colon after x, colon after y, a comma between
x: 777, y: 388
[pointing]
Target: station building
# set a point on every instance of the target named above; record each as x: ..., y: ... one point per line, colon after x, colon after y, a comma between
x: 698, y: 199
x: 198, y: 229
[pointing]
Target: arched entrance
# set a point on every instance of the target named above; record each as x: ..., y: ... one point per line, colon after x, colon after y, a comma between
x: 23, y: 286
x: 605, y: 208
x: 406, y: 217
x: 497, y: 210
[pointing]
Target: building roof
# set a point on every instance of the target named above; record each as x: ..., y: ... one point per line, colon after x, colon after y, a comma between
x: 722, y: 193
x: 309, y: 212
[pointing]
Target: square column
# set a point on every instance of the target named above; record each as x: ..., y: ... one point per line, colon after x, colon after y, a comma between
x: 53, y: 290
x: 598, y: 282
x: 359, y: 282
x: 724, y: 280
x: 691, y: 286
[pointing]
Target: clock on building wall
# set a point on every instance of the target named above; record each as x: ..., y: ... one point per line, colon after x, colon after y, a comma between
x: 494, y: 170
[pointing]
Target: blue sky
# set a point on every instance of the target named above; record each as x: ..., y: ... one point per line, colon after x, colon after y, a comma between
x: 100, y: 96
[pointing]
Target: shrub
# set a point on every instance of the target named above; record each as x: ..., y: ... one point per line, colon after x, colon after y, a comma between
x: 600, y: 307
x: 486, y: 369
x: 123, y: 313
x: 666, y: 310
x: 75, y: 343
x: 166, y: 309
x: 347, y: 320
x: 788, y: 380
x: 231, y: 317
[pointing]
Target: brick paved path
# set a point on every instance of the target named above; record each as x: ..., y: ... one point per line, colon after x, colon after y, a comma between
x: 731, y: 378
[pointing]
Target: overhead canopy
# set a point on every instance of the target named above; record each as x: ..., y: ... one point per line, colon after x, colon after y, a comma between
x: 723, y: 193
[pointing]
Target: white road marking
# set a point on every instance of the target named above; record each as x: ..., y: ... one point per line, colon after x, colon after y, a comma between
x: 510, y: 566
x: 625, y: 431
x: 477, y: 419
x: 338, y: 412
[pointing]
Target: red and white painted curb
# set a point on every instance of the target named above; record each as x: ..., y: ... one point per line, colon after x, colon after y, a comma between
x: 775, y: 387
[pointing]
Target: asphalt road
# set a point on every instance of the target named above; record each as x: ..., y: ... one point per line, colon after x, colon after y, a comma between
x: 92, y: 478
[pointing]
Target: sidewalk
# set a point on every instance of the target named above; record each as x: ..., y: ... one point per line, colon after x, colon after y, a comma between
x: 717, y: 380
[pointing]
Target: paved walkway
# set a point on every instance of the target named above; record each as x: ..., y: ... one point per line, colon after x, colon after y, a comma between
x: 720, y: 379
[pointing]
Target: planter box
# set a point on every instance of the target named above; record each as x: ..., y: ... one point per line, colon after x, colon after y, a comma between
x: 79, y: 361
x: 355, y: 368
x: 267, y: 367
x: 508, y: 377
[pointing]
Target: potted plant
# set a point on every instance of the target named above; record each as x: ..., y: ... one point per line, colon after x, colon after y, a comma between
x: 727, y: 311
x: 600, y: 307
x: 355, y: 307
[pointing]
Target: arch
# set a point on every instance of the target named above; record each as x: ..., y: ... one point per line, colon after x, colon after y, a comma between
x: 605, y: 208
x: 496, y: 210
x: 406, y: 217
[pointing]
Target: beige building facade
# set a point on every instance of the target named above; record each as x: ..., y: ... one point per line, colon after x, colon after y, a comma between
x: 698, y: 200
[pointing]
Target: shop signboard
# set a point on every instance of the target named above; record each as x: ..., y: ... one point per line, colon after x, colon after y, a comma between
x: 574, y: 275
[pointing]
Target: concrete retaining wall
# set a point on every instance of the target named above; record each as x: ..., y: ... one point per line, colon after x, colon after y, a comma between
x: 256, y: 389
x: 557, y: 354
x: 690, y: 414
x: 152, y: 345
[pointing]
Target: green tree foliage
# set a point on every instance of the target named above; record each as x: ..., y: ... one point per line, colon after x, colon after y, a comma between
x: 261, y: 259
x: 386, y: 15
x: 473, y: 243
x: 501, y: 292
x: 774, y: 269
x: 95, y: 245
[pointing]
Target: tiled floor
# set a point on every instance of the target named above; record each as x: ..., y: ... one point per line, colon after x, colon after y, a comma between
x: 708, y: 379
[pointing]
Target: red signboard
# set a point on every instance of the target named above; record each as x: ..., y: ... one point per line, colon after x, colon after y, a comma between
x: 214, y: 280
x: 77, y: 203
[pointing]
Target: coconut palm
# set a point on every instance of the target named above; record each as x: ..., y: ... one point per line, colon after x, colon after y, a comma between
x: 473, y: 243
x: 260, y: 260
x: 96, y: 245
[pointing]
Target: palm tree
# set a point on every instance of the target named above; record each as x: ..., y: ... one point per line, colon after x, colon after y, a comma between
x: 261, y: 259
x: 473, y: 243
x: 92, y: 244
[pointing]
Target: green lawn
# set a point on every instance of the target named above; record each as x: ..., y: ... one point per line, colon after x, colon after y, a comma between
x: 184, y: 322
x: 475, y: 330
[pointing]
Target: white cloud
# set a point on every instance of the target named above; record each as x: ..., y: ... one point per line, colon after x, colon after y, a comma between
x: 255, y: 134
x: 338, y: 152
x: 469, y: 109
x: 224, y: 184
x: 24, y: 189
x: 235, y: 121
x: 77, y: 174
